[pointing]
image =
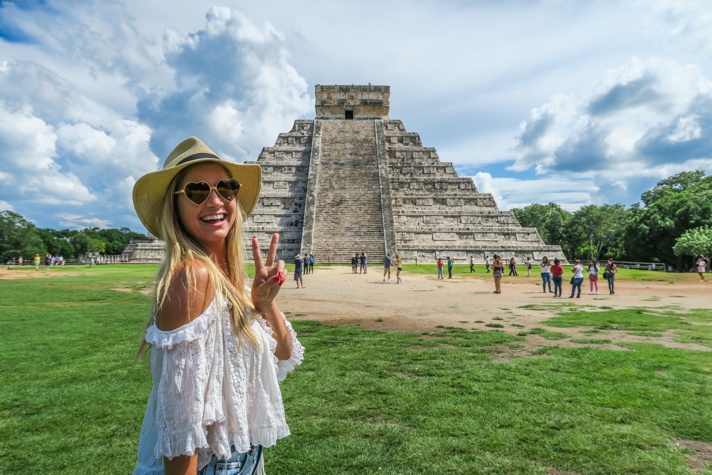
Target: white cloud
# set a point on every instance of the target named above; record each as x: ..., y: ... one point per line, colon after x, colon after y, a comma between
x: 570, y: 194
x: 5, y: 206
x: 235, y: 88
x: 620, y: 126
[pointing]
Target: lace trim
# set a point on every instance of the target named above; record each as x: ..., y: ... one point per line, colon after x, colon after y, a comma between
x: 186, y: 443
x: 189, y: 332
x: 284, y: 367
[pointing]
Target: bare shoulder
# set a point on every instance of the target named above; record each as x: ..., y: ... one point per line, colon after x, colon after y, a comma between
x: 189, y: 295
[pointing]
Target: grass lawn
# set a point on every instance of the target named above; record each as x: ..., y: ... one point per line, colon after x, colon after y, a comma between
x: 72, y: 400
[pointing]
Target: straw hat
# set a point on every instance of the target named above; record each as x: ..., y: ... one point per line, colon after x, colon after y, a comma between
x: 150, y: 190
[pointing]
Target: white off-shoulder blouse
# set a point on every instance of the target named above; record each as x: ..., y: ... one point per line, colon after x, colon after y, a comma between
x: 210, y: 392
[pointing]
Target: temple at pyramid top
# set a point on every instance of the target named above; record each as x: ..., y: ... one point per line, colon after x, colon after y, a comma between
x: 352, y: 102
x: 353, y: 180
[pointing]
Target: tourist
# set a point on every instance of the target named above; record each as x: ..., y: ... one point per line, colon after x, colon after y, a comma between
x: 37, y: 261
x: 387, y: 268
x: 557, y: 275
x: 701, y: 267
x: 528, y: 265
x: 20, y: 261
x: 593, y: 270
x: 487, y: 264
x: 497, y: 273
x: 363, y: 263
x: 577, y: 279
x: 472, y: 264
x: 306, y: 263
x: 610, y: 275
x: 545, y: 274
x: 449, y: 267
x: 48, y: 260
x: 298, y: 270
x: 513, y: 267
x: 440, y: 268
x: 354, y: 265
x: 399, y: 268
x: 311, y: 263
x: 218, y: 348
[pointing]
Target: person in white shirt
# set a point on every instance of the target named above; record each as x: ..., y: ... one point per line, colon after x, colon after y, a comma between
x: 577, y: 280
x: 218, y: 348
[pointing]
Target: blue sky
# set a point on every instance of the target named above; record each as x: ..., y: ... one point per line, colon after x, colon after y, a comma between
x: 575, y: 102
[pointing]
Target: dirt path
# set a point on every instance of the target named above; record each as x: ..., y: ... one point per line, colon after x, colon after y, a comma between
x: 422, y: 303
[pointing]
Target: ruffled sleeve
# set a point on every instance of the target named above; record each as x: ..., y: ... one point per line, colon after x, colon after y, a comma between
x: 284, y: 367
x: 181, y: 391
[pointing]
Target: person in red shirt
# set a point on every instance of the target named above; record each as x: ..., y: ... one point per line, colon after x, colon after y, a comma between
x: 440, y: 268
x: 557, y: 272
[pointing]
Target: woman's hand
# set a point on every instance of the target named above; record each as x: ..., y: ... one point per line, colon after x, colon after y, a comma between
x: 269, y: 276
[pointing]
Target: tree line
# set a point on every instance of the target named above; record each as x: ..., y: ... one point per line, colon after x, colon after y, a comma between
x: 670, y: 225
x: 19, y: 237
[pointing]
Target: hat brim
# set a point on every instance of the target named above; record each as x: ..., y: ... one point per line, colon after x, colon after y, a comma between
x: 150, y: 190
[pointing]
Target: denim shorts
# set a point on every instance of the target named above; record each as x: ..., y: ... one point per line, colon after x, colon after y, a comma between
x: 240, y: 463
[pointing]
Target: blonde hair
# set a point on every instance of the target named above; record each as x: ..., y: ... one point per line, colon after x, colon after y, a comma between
x: 182, y: 251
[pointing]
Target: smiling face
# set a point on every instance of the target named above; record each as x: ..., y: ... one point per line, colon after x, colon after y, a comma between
x: 210, y: 222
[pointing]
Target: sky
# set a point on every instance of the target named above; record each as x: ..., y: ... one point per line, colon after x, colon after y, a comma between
x: 565, y: 101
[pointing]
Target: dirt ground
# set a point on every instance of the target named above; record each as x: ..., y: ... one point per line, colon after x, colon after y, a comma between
x: 421, y: 303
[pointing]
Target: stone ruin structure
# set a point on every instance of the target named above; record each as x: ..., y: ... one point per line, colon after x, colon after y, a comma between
x: 143, y: 251
x: 353, y: 180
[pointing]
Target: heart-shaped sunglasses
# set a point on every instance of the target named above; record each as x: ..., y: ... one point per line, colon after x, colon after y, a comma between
x: 199, y: 192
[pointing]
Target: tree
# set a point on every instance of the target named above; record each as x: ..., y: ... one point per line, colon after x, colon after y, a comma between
x: 651, y: 232
x: 550, y: 220
x: 676, y: 183
x: 598, y: 230
x: 18, y: 237
x: 694, y: 243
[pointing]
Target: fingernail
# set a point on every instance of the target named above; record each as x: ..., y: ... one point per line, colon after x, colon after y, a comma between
x: 254, y: 237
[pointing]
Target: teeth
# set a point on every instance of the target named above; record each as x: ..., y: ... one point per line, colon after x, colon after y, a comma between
x: 213, y: 217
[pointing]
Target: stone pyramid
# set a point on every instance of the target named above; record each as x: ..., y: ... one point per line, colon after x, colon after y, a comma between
x: 353, y: 180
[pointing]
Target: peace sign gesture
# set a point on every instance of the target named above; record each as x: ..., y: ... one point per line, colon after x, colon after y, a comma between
x: 269, y: 276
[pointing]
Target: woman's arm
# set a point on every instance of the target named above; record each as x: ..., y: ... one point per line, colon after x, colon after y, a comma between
x: 269, y: 277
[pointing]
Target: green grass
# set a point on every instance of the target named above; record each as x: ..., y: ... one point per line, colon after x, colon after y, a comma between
x: 364, y: 401
x: 688, y: 327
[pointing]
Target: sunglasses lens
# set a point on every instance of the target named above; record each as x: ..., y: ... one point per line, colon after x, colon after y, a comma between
x: 228, y: 188
x: 197, y: 192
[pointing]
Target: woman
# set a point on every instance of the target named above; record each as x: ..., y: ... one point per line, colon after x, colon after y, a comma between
x: 557, y: 275
x: 610, y: 275
x: 528, y: 265
x: 217, y: 347
x: 513, y: 267
x: 701, y: 267
x: 440, y: 268
x: 593, y: 276
x: 577, y: 280
x: 545, y: 274
x: 399, y: 268
x: 497, y: 273
x: 298, y: 271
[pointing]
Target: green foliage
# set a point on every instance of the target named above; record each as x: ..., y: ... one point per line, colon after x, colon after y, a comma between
x: 676, y: 183
x: 18, y: 237
x: 652, y: 231
x: 550, y: 220
x: 694, y: 242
